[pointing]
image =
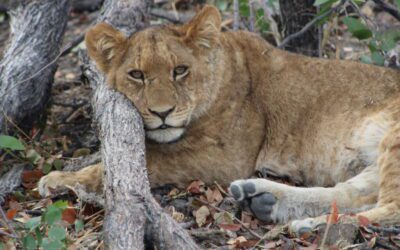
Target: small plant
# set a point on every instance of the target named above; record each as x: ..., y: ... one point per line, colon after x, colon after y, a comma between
x: 49, y: 231
x: 379, y: 42
x: 17, y: 149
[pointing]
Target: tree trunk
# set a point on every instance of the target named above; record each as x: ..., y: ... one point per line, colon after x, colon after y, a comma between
x: 130, y: 208
x: 295, y: 15
x: 28, y: 65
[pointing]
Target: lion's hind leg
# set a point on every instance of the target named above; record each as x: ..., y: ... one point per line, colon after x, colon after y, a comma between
x: 272, y: 201
x: 90, y: 177
x: 387, y: 210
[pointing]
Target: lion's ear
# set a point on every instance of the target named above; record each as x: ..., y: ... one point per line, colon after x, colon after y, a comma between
x: 104, y: 43
x: 204, y: 28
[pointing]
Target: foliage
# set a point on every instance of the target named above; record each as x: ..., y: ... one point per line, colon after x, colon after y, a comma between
x: 11, y: 143
x: 29, y: 153
x: 379, y: 42
x: 46, y: 231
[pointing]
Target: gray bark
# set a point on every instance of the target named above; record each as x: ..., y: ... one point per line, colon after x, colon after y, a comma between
x: 28, y: 65
x: 10, y: 180
x: 130, y: 208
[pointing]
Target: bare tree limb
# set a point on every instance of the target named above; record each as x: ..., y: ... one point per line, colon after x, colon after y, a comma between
x: 311, y: 24
x: 130, y: 208
x: 37, y: 29
x: 236, y: 17
x: 388, y: 8
x: 252, y: 16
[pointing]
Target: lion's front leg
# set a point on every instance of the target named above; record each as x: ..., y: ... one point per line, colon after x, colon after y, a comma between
x: 90, y: 177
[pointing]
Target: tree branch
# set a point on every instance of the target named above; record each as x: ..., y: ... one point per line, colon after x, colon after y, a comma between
x: 388, y: 8
x: 130, y: 208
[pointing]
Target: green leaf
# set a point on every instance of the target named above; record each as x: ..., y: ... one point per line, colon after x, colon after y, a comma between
x: 33, y: 156
x: 58, y: 164
x: 244, y: 8
x: 357, y: 28
x: 79, y: 225
x: 57, y: 233
x: 10, y: 142
x: 61, y: 204
x: 222, y: 5
x: 377, y: 58
x: 53, y: 214
x: 33, y: 223
x: 29, y: 242
x: 19, y: 195
x: 397, y: 4
x: 319, y: 2
x: 48, y: 244
x: 46, y: 168
x: 366, y: 59
x: 39, y: 236
x: 373, y: 45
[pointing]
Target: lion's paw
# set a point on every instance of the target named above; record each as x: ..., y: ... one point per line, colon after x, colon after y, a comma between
x: 53, y: 181
x: 261, y: 203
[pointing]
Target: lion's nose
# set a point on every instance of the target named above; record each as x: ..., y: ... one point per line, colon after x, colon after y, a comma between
x: 162, y: 113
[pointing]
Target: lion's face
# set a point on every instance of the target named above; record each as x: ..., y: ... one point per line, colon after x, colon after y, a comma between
x: 169, y: 73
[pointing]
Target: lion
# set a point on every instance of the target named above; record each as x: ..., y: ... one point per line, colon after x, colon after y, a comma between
x: 218, y: 106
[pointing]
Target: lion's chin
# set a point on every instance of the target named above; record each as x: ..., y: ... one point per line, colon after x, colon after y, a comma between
x: 169, y: 135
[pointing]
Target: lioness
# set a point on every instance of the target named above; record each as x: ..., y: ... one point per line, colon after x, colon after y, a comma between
x: 217, y: 106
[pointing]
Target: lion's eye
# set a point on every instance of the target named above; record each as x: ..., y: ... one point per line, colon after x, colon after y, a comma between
x: 136, y: 74
x: 180, y: 72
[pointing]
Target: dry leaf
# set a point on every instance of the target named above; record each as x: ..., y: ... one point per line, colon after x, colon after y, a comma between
x: 201, y: 215
x: 30, y: 178
x: 196, y: 187
x: 237, y: 240
x: 223, y: 218
x: 230, y: 227
x: 363, y: 221
x: 11, y: 213
x: 333, y: 218
x: 214, y: 196
x: 69, y: 215
x: 177, y: 216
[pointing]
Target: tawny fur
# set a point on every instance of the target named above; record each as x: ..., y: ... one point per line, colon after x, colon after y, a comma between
x: 246, y: 105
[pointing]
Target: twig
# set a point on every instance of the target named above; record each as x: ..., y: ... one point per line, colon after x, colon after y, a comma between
x: 8, y: 235
x: 268, y: 15
x: 251, y: 16
x: 8, y: 224
x: 235, y: 15
x: 388, y: 8
x: 234, y: 218
x: 221, y: 189
x: 70, y: 46
x: 362, y: 15
x: 384, y: 244
x: 389, y: 230
x: 310, y: 24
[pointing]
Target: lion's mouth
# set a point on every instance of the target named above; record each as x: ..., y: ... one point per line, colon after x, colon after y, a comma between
x: 162, y: 127
x: 165, y: 133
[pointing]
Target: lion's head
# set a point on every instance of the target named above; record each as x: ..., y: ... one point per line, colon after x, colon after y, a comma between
x: 168, y: 72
